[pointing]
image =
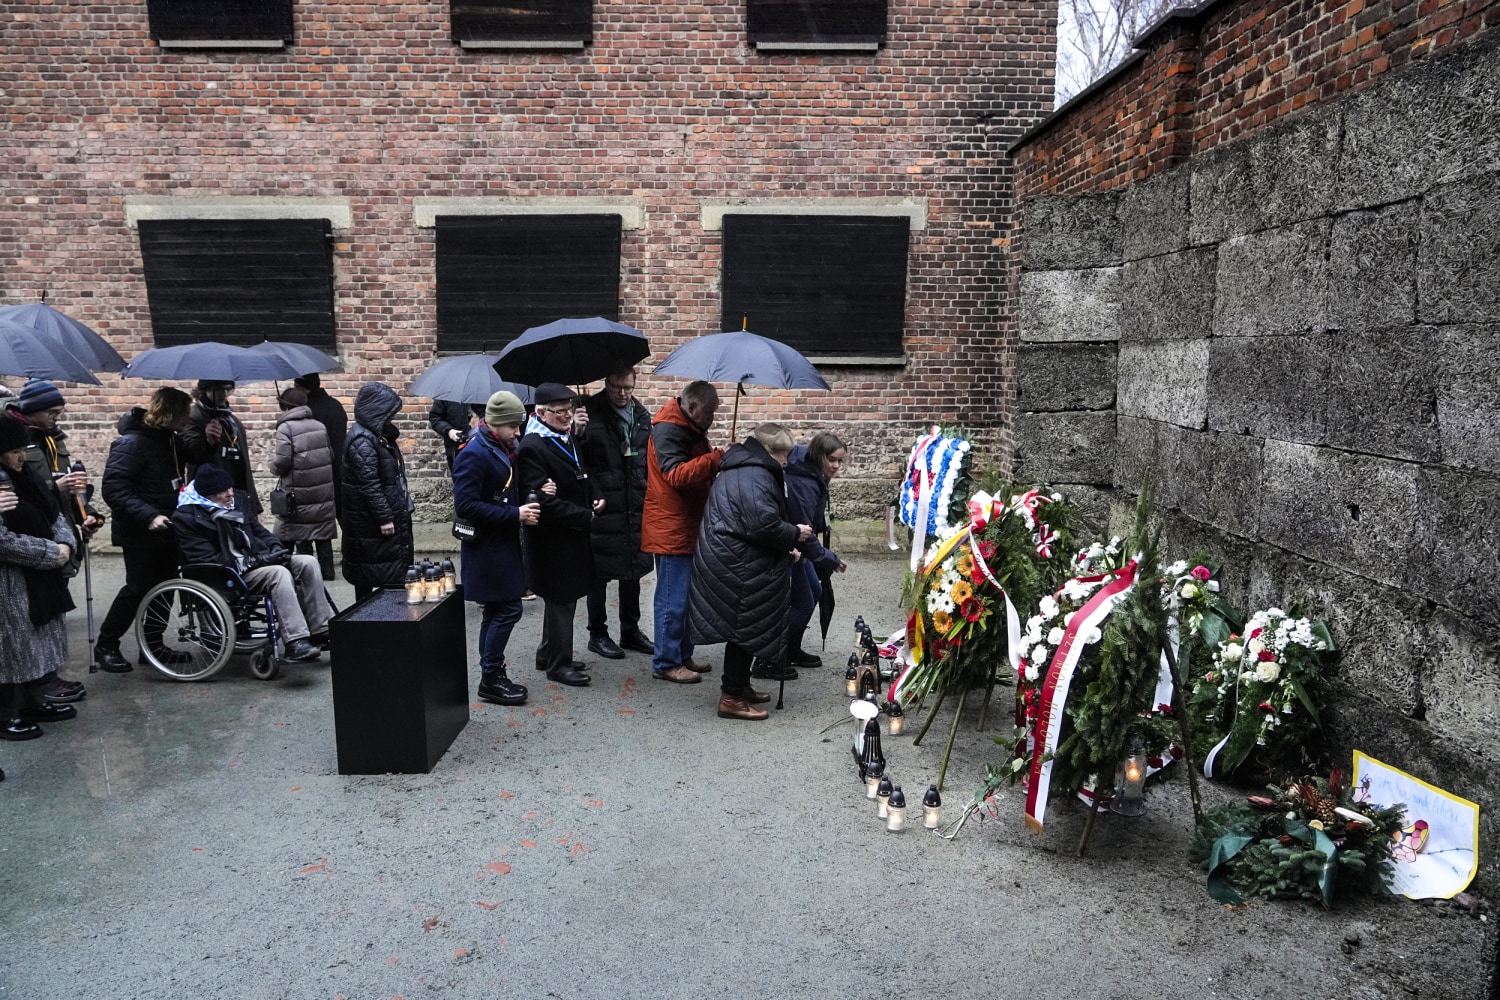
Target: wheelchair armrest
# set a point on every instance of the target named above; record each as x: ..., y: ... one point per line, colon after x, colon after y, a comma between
x: 222, y: 578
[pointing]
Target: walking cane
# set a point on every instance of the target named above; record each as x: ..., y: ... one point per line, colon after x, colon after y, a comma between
x: 88, y: 571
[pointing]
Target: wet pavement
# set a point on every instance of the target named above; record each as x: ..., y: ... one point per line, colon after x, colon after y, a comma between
x: 195, y: 840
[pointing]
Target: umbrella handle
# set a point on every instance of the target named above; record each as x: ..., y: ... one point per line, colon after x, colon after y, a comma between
x: 734, y: 423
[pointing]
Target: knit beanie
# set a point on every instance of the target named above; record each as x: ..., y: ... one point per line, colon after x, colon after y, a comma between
x: 504, y: 408
x: 210, y: 479
x: 14, y: 435
x: 38, y: 394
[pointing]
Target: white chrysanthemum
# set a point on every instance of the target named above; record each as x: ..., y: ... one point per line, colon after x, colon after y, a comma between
x: 1068, y: 618
x: 1093, y: 636
x: 1033, y: 671
x: 1231, y: 652
x: 1048, y: 607
x: 1055, y: 636
x: 1039, y: 654
x: 1254, y: 646
x: 1177, y: 568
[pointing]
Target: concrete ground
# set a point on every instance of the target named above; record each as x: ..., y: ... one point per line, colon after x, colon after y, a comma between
x: 196, y: 840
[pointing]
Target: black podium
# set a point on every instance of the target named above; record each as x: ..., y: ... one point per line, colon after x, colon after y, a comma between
x: 400, y: 682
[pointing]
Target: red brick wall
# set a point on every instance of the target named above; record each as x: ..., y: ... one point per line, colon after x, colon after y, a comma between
x: 375, y: 103
x: 1233, y: 70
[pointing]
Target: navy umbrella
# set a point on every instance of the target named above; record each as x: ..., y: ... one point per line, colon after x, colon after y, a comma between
x: 744, y: 358
x: 306, y: 360
x: 24, y: 352
x: 571, y: 351
x: 209, y: 360
x: 468, y: 378
x: 59, y: 330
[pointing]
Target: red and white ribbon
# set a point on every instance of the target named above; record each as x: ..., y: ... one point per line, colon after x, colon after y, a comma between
x: 1059, y: 680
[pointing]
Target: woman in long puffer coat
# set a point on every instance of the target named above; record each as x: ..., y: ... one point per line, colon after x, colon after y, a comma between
x: 377, y: 504
x: 740, y: 584
x: 302, y: 460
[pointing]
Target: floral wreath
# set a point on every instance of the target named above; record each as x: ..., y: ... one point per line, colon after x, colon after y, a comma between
x: 936, y: 461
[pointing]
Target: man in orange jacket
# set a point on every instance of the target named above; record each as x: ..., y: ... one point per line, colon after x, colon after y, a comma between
x: 680, y: 468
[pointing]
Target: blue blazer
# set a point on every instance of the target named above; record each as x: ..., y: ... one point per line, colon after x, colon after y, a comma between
x: 486, y: 494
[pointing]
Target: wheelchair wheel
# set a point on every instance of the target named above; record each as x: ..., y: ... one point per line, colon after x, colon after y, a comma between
x: 264, y: 665
x: 195, y: 628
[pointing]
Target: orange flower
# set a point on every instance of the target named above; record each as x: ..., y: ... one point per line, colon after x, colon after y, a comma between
x: 966, y: 565
x: 942, y: 621
x: 961, y: 591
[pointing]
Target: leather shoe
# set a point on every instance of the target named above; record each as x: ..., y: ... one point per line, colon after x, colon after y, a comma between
x: 62, y: 692
x: 500, y: 690
x: 734, y: 706
x: 605, y: 647
x: 677, y: 675
x: 569, y: 676
x: 638, y: 641
x: 110, y: 661
x: 320, y: 640
x: 698, y: 668
x: 15, y: 729
x: 773, y: 671
x: 753, y: 696
x: 801, y: 658
x: 301, y: 651
x: 48, y: 712
x: 575, y: 665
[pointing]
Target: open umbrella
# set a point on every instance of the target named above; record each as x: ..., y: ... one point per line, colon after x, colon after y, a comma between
x: 59, y: 330
x: 468, y: 378
x: 571, y: 351
x: 743, y: 358
x: 304, y: 359
x: 209, y: 360
x: 24, y: 352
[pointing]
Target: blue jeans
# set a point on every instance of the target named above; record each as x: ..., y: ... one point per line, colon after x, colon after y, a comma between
x: 495, y: 626
x: 674, y: 577
x: 806, y: 589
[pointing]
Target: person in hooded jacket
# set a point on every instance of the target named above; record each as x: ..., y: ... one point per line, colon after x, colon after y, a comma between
x: 142, y: 476
x: 215, y: 434
x: 740, y: 584
x: 214, y: 526
x: 302, y: 459
x: 378, y: 544
x: 486, y: 495
x: 808, y: 470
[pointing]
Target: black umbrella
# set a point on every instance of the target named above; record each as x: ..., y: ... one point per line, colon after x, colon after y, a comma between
x: 209, y: 360
x: 825, y: 607
x: 744, y: 358
x: 305, y: 360
x: 468, y: 378
x: 571, y: 351
x: 59, y: 330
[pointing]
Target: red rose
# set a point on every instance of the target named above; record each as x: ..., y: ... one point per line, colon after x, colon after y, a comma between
x: 1256, y: 633
x: 1265, y: 706
x: 1164, y: 709
x: 1176, y: 751
x: 1155, y: 762
x: 1266, y: 656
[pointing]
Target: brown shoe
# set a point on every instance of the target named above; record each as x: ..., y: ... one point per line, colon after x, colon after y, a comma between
x: 696, y: 667
x: 734, y: 706
x: 753, y: 696
x: 677, y: 675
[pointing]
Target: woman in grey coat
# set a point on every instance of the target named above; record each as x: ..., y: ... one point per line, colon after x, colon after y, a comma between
x: 36, y: 542
x: 302, y: 459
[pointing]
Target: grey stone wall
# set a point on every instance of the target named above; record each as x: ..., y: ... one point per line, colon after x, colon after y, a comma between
x: 1297, y: 336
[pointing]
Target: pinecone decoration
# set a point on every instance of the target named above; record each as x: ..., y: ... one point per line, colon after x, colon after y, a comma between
x: 1325, y: 811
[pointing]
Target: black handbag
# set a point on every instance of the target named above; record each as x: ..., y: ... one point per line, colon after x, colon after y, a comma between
x: 283, y: 502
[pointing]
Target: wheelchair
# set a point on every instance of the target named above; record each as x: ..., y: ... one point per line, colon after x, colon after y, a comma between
x: 190, y: 626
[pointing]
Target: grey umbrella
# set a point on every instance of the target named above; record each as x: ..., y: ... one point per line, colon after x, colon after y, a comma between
x: 467, y: 378
x: 24, y: 352
x: 59, y: 330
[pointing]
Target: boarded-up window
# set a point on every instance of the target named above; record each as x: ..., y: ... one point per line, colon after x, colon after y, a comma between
x: 220, y: 20
x: 538, y: 22
x: 826, y: 285
x: 239, y: 281
x: 498, y: 275
x: 809, y: 23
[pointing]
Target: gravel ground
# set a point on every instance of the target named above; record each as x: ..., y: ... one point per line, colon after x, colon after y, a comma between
x: 196, y: 840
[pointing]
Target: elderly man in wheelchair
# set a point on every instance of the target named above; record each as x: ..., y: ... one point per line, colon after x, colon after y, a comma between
x: 213, y: 525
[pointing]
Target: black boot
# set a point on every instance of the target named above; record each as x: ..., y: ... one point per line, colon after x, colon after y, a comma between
x: 773, y: 671
x: 797, y: 656
x: 501, y: 690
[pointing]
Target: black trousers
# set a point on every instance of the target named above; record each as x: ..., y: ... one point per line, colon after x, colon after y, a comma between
x: 145, y: 567
x: 17, y: 698
x: 736, y: 669
x: 556, y: 650
x: 324, y: 553
x: 630, y: 607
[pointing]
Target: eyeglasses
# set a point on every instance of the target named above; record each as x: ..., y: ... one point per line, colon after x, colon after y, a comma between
x: 619, y: 388
x: 558, y: 411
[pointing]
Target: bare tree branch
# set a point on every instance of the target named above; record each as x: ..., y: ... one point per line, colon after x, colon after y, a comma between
x: 1095, y: 35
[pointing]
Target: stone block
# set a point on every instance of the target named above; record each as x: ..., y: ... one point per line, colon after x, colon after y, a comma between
x: 852, y: 499
x: 1231, y: 502
x: 1273, y: 282
x: 1458, y: 262
x: 1070, y: 305
x: 1273, y: 387
x: 1376, y: 627
x: 1177, y: 462
x: 1372, y: 267
x: 1166, y: 380
x: 1281, y: 176
x: 1457, y: 536
x: 1170, y: 297
x: 1468, y: 396
x: 1092, y: 503
x: 1461, y: 676
x: 433, y: 496
x: 1139, y: 450
x: 1382, y: 392
x: 1066, y: 233
x: 1355, y: 512
x: 1076, y: 447
x: 1066, y: 377
x: 1154, y: 215
x: 1431, y: 124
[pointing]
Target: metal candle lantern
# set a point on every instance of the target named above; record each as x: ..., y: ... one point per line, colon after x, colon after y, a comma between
x: 450, y: 577
x: 897, y: 716
x: 932, y: 808
x: 851, y: 677
x: 870, y: 752
x: 1130, y: 782
x: 896, y: 811
x: 883, y: 796
x: 872, y: 781
x: 863, y: 713
x: 416, y: 590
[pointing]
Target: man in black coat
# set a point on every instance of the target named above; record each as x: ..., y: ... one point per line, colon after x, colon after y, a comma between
x: 614, y: 450
x: 214, y: 434
x: 559, y: 562
x: 331, y: 414
x: 451, y: 422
